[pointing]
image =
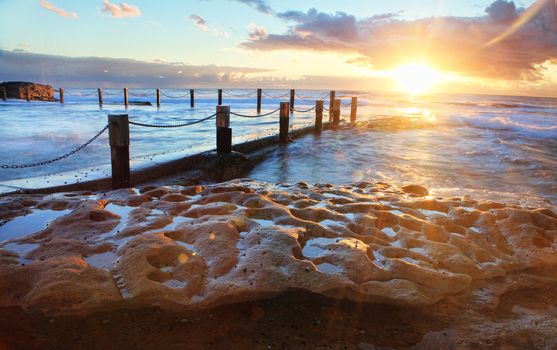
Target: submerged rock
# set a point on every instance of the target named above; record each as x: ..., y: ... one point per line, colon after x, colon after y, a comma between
x: 140, y: 103
x: 37, y: 92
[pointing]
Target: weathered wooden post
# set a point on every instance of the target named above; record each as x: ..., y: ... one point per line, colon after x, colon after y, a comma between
x: 259, y: 93
x: 100, y: 91
x: 224, y: 132
x: 27, y: 94
x: 4, y: 93
x: 126, y: 97
x: 220, y: 97
x: 119, y: 138
x: 192, y: 98
x: 292, y: 99
x: 319, y: 116
x: 284, y: 122
x: 61, y: 91
x: 158, y: 98
x: 332, y: 98
x: 353, y: 109
x: 336, y: 113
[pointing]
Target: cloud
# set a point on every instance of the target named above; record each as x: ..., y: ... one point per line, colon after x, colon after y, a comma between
x: 123, y: 10
x: 259, y: 5
x: 202, y: 25
x: 60, y: 12
x: 455, y: 44
x: 113, y: 72
x: 338, y: 26
x: 502, y: 11
x: 200, y: 22
x: 256, y: 32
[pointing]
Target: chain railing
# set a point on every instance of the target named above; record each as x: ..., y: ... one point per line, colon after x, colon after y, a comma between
x: 172, y: 126
x: 307, y: 99
x: 109, y: 93
x: 304, y: 110
x: 171, y: 96
x: 88, y: 94
x: 256, y: 115
x: 275, y: 97
x: 204, y: 92
x: 119, y: 130
x: 45, y: 162
x: 239, y: 95
x: 136, y: 94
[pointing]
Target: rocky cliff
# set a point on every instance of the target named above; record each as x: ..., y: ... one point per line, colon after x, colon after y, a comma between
x: 18, y: 89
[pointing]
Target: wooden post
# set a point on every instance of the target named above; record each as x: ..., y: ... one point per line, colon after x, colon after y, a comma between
x: 336, y: 113
x: 319, y: 116
x: 100, y: 90
x: 4, y: 94
x: 284, y: 122
x: 119, y: 138
x: 61, y: 91
x: 259, y: 93
x: 332, y: 104
x: 27, y: 94
x: 292, y: 99
x: 353, y: 109
x: 158, y: 98
x: 220, y: 97
x: 192, y: 98
x: 224, y: 132
x: 126, y: 97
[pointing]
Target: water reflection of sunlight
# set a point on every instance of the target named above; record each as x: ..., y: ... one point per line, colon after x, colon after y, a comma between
x: 425, y: 113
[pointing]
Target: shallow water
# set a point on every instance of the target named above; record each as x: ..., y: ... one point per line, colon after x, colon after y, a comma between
x: 22, y: 226
x: 490, y: 147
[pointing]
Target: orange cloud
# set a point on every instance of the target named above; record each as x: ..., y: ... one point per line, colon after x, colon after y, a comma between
x: 454, y: 44
x: 60, y: 12
x: 123, y: 10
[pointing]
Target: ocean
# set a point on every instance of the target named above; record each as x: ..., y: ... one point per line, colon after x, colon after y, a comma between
x: 498, y: 148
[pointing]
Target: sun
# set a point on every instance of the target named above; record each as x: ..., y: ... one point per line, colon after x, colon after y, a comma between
x: 415, y: 78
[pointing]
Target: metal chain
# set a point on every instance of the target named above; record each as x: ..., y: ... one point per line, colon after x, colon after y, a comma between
x: 239, y: 95
x: 106, y: 93
x: 304, y: 98
x: 32, y: 165
x: 173, y: 126
x: 255, y: 116
x: 304, y: 110
x: 271, y: 96
x: 80, y: 95
x: 148, y: 94
x: 170, y: 96
x: 203, y: 93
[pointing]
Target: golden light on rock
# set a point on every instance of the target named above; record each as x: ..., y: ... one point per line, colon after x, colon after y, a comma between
x: 183, y: 258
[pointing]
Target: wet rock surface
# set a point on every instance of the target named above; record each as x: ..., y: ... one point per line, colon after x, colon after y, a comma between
x: 37, y: 92
x: 478, y: 268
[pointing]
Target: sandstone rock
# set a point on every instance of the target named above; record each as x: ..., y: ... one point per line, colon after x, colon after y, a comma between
x: 37, y: 92
x: 197, y: 247
x: 416, y: 190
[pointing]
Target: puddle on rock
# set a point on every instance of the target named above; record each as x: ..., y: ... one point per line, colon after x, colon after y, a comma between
x: 26, y: 225
x: 389, y: 231
x: 102, y: 261
x: 328, y: 268
x: 175, y: 284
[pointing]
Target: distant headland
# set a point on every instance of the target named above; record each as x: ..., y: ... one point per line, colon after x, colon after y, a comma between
x: 27, y: 90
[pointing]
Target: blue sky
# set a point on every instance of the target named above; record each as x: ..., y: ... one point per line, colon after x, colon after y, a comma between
x: 164, y: 31
x: 312, y: 41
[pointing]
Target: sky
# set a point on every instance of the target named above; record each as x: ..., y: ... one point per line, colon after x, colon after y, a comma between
x: 476, y: 46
